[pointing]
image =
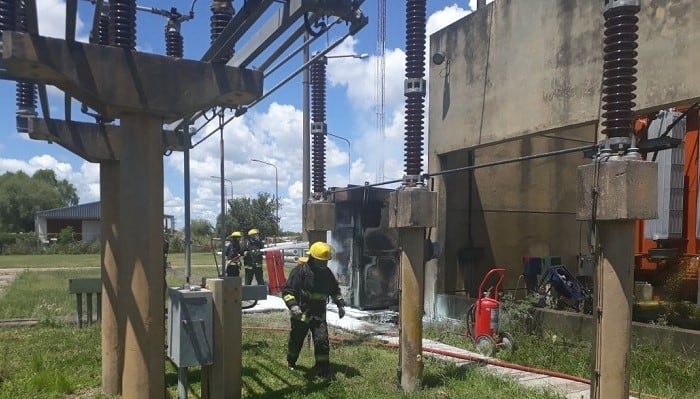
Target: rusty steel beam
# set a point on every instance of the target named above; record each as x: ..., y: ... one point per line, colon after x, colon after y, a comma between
x: 114, y: 81
x: 91, y: 141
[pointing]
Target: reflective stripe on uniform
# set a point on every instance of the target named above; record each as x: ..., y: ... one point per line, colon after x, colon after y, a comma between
x: 288, y: 297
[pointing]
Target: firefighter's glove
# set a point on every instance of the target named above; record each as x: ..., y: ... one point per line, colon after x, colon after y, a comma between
x: 295, y: 310
x: 341, y: 312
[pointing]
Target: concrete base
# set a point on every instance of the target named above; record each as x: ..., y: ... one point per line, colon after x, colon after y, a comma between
x: 412, y: 207
x: 626, y: 190
x: 319, y: 216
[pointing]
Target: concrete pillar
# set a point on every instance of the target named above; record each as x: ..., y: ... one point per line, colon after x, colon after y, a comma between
x: 112, y: 326
x: 614, y: 280
x: 141, y: 299
x: 620, y: 192
x: 411, y: 307
x: 320, y: 218
x: 225, y: 373
x: 411, y: 211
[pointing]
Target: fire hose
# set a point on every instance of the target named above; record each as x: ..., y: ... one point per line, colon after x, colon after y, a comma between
x: 466, y: 357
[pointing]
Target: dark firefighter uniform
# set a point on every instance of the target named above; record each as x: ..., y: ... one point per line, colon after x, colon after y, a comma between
x: 253, y: 258
x: 233, y: 255
x: 306, y: 292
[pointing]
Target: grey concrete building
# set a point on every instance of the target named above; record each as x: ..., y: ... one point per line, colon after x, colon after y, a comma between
x: 517, y: 78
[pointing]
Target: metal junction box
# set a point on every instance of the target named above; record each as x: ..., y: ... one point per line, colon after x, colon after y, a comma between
x: 190, y: 323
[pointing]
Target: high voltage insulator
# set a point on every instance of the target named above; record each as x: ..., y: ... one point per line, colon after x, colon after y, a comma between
x: 414, y: 87
x: 174, y: 43
x: 7, y: 15
x: 122, y: 23
x: 221, y: 14
x: 318, y: 127
x: 25, y: 91
x: 103, y: 29
x: 619, y: 62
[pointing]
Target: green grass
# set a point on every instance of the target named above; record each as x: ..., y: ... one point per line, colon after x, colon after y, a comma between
x: 48, y: 362
x: 45, y: 362
x: 88, y: 260
x: 656, y: 369
x: 42, y: 295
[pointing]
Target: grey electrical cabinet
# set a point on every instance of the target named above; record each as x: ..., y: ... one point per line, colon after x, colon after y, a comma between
x: 190, y: 325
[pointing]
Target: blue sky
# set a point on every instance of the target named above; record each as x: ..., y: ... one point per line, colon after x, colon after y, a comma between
x: 271, y: 131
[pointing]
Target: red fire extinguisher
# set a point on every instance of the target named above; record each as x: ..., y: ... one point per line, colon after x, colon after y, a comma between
x: 487, y: 306
x: 483, y: 317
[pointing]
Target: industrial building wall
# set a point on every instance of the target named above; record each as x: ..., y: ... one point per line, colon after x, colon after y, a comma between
x: 518, y: 67
x: 518, y: 209
x: 91, y: 230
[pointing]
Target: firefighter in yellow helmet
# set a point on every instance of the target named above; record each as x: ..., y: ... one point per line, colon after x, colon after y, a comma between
x: 306, y: 292
x: 253, y: 257
x: 233, y: 255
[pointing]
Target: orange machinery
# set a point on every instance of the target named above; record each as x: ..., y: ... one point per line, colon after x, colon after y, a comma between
x: 671, y: 265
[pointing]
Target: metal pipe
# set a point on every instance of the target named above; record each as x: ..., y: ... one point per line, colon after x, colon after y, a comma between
x: 306, y: 139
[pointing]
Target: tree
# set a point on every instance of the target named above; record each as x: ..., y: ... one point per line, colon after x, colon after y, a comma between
x: 22, y: 196
x: 248, y: 213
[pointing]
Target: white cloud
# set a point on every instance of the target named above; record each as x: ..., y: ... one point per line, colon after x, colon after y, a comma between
x: 52, y: 20
x: 444, y: 17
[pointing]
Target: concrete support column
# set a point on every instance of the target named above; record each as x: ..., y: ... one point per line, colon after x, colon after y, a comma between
x: 112, y: 326
x: 142, y: 297
x: 225, y: 373
x: 411, y: 307
x: 320, y: 218
x: 619, y: 191
x: 411, y: 211
x: 317, y: 235
x: 614, y: 280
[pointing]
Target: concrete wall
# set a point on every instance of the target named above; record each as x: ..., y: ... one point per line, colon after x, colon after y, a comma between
x: 519, y: 67
x: 518, y: 209
x: 577, y: 326
x: 513, y: 70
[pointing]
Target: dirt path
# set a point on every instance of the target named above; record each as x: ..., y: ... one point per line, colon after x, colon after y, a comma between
x: 7, y: 276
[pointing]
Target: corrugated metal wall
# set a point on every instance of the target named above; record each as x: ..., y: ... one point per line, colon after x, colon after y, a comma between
x: 669, y: 225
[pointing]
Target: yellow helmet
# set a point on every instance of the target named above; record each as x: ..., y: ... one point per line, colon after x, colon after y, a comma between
x: 253, y: 231
x: 236, y: 234
x: 320, y: 250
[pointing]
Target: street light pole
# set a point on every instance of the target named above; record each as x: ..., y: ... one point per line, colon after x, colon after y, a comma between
x: 349, y: 152
x: 225, y: 179
x: 277, y: 199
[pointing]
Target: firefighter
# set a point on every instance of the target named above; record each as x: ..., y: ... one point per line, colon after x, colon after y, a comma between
x: 253, y: 258
x: 233, y: 255
x: 307, y: 289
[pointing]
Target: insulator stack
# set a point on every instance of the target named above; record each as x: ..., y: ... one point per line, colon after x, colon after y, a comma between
x: 221, y: 15
x: 318, y: 91
x: 414, y: 88
x: 619, y: 69
x: 103, y: 29
x: 7, y: 15
x: 122, y: 23
x: 318, y: 127
x: 25, y: 91
x: 174, y: 43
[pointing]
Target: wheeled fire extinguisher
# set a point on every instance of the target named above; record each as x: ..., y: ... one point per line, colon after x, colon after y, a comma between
x: 484, y: 316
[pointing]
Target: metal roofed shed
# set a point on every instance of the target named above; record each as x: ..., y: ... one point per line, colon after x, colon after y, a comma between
x: 83, y: 218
